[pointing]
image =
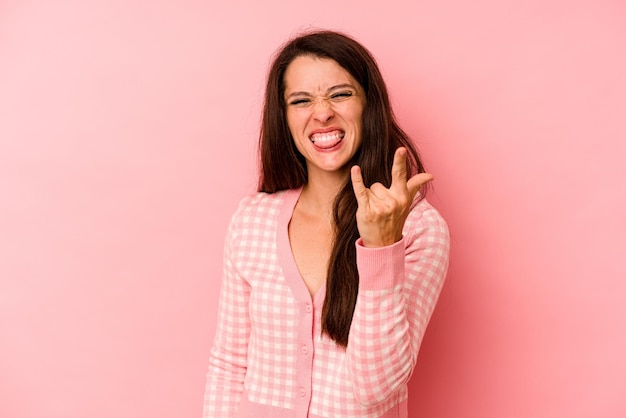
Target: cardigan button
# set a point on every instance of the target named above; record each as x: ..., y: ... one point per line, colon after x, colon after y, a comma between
x: 302, y: 392
x: 304, y: 350
x: 308, y: 308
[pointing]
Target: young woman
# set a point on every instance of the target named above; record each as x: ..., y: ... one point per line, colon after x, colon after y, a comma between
x: 332, y: 270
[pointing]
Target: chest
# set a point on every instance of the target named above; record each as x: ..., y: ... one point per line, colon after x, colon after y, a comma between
x: 311, y: 245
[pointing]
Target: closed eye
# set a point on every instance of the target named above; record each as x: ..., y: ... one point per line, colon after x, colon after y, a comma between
x: 300, y: 102
x: 340, y: 95
x: 306, y: 101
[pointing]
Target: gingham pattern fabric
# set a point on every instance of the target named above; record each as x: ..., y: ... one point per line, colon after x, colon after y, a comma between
x: 269, y: 358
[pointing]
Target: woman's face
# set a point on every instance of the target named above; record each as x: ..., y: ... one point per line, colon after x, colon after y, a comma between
x: 324, y: 112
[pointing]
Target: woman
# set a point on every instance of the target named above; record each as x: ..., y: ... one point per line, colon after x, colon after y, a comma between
x: 332, y: 270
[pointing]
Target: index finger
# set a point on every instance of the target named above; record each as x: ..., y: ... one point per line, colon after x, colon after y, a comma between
x: 398, y: 170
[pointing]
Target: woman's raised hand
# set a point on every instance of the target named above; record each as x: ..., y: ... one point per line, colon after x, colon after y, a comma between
x: 382, y: 211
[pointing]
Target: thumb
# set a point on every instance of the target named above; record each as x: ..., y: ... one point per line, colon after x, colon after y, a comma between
x: 417, y: 181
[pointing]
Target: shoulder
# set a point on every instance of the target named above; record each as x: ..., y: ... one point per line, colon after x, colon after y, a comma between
x: 260, y: 204
x: 258, y: 210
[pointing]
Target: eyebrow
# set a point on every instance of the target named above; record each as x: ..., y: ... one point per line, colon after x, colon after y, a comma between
x: 338, y: 86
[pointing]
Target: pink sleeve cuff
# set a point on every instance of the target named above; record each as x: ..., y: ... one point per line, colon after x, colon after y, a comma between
x: 380, y: 268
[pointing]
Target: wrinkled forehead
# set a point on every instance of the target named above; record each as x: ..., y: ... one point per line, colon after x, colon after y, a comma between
x: 315, y: 76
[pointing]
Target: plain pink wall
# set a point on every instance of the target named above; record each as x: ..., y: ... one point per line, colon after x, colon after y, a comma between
x: 127, y: 136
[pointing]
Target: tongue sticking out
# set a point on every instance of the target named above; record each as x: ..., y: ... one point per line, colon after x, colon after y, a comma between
x: 327, y: 140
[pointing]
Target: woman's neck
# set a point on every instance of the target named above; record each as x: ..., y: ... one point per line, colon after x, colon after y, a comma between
x: 319, y: 193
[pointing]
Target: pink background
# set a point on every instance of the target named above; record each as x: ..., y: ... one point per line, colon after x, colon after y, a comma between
x: 127, y: 136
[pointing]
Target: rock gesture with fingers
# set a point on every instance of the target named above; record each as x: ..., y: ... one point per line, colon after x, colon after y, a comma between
x: 382, y: 211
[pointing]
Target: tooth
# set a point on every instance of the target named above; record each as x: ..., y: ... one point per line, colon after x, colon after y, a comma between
x: 326, y: 136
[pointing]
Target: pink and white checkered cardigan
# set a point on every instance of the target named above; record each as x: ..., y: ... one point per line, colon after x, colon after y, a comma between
x: 269, y: 358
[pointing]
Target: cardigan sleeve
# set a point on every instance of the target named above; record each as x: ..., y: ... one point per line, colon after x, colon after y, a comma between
x: 228, y: 357
x: 398, y: 288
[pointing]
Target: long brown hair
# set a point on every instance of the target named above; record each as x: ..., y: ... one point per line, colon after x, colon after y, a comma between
x: 283, y: 167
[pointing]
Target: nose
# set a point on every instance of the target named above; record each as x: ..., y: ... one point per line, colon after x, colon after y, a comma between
x: 322, y: 110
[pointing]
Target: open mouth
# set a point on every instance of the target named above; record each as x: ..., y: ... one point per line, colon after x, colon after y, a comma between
x: 327, y: 139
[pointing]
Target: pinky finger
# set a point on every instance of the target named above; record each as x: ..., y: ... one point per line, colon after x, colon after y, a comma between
x: 360, y: 191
